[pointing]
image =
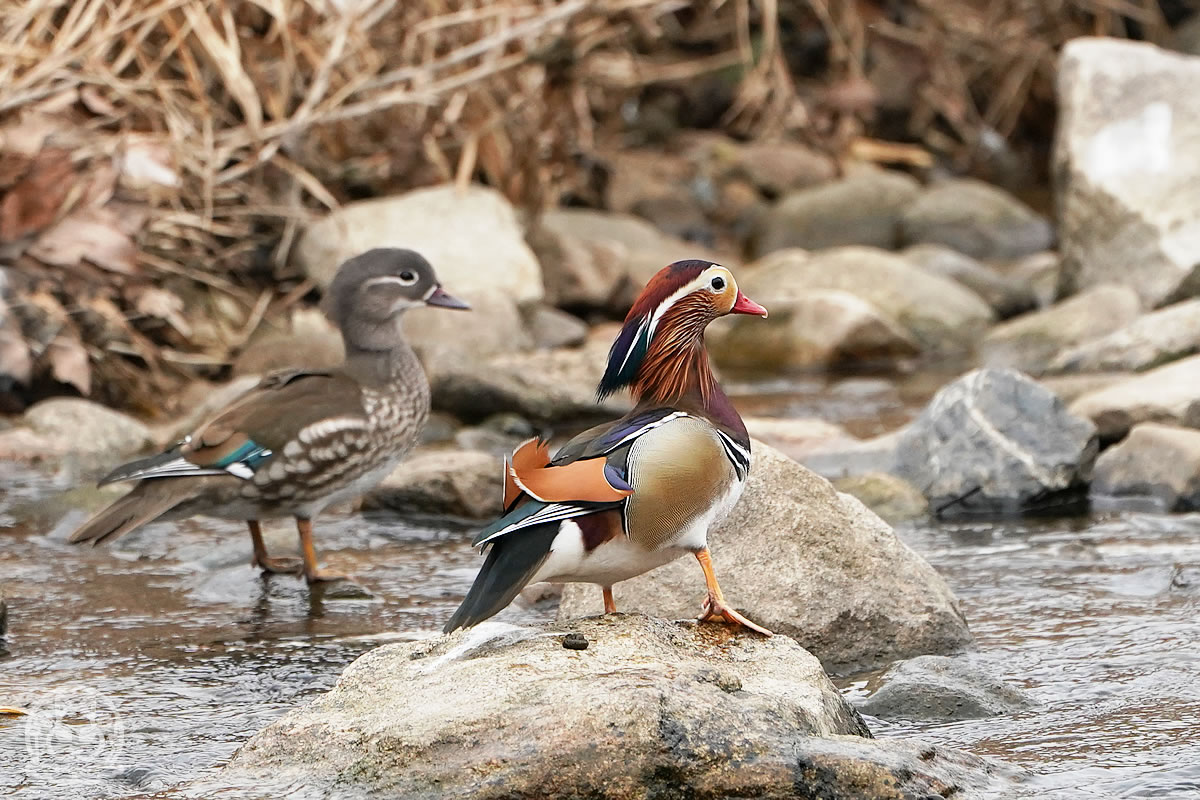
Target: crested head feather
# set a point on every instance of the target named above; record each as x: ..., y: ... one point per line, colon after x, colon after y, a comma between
x: 633, y: 342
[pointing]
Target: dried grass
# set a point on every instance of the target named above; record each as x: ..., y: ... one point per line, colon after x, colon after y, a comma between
x: 173, y: 144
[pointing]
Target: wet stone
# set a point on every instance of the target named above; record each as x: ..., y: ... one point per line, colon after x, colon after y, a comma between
x: 575, y: 641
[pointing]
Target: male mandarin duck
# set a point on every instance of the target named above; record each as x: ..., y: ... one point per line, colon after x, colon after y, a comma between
x: 303, y: 439
x: 624, y: 498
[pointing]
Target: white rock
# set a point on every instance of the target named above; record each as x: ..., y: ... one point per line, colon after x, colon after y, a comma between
x: 1127, y: 163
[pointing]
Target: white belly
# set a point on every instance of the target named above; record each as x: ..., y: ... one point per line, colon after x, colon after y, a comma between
x: 613, y: 561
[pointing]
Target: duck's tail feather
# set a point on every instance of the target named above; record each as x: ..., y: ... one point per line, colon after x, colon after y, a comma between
x: 511, y: 563
x: 148, y: 501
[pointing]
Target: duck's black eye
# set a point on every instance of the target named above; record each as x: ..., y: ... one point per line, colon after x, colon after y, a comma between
x: 408, y: 277
x: 718, y: 283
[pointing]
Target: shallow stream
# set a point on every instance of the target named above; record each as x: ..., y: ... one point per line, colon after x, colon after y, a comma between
x: 148, y: 662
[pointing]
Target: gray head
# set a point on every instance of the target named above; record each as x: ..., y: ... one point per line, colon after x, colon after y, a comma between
x: 371, y: 291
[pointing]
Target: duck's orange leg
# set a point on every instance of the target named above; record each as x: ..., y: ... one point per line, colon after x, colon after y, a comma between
x: 715, y: 606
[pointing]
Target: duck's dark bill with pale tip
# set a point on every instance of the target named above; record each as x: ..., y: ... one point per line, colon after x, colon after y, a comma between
x: 443, y: 299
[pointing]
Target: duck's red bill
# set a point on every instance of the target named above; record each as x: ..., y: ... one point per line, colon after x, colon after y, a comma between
x: 745, y: 305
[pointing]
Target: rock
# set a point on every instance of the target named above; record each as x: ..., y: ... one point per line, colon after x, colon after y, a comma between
x: 794, y: 437
x: 3, y: 612
x: 861, y: 209
x: 1006, y: 296
x: 1148, y: 341
x: 835, y: 458
x: 1029, y: 342
x: 939, y: 314
x: 446, y: 339
x: 995, y: 441
x: 778, y: 167
x: 551, y: 328
x: 597, y: 259
x: 463, y: 483
x: 471, y: 237
x: 1168, y: 394
x: 820, y: 328
x: 636, y: 175
x: 937, y: 688
x: 1125, y: 167
x: 549, y: 386
x: 1156, y: 467
x: 677, y: 215
x: 805, y: 561
x: 308, y: 340
x: 893, y: 499
x: 975, y: 218
x: 86, y: 429
x: 649, y: 709
x: 1040, y: 272
x: 1071, y: 387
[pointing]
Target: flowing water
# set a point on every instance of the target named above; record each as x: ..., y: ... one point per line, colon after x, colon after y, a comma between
x: 148, y: 662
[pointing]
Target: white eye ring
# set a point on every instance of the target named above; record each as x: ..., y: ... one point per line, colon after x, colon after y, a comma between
x: 717, y: 284
x: 407, y: 278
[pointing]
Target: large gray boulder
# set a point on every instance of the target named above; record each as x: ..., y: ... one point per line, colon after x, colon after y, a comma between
x: 1168, y: 394
x: 471, y: 237
x: 939, y: 314
x: 1029, y: 342
x: 1126, y: 163
x: 995, y: 441
x: 474, y: 241
x: 648, y: 709
x: 801, y: 559
x: 977, y: 219
x: 860, y: 209
x: 1156, y: 467
x: 938, y: 688
x: 1149, y: 341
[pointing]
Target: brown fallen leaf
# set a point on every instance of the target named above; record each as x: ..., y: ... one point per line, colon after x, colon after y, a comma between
x: 91, y: 234
x: 69, y: 363
x: 34, y: 201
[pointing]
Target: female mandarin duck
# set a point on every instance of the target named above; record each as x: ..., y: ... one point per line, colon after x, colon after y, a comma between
x: 300, y: 440
x: 624, y: 498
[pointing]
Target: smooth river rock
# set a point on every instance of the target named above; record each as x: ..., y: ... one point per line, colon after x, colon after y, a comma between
x: 1029, y: 342
x: 1149, y: 341
x: 1156, y: 467
x: 938, y: 688
x: 547, y: 386
x: 893, y: 499
x: 436, y: 480
x: 977, y: 219
x: 87, y: 434
x: 996, y: 442
x: 650, y: 709
x: 471, y: 237
x: 939, y: 314
x: 1126, y: 164
x: 860, y: 209
x: 820, y: 328
x: 1168, y: 394
x: 1006, y: 295
x: 809, y: 562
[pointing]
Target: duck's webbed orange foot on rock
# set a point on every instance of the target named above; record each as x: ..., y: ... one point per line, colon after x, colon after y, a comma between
x: 715, y: 607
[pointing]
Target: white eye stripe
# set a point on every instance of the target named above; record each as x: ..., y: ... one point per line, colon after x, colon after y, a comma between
x: 392, y: 279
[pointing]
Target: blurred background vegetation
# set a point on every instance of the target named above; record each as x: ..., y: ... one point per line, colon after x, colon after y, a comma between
x: 159, y: 157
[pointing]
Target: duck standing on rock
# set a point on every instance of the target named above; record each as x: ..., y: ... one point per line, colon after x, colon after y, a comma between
x: 304, y: 439
x: 624, y: 498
